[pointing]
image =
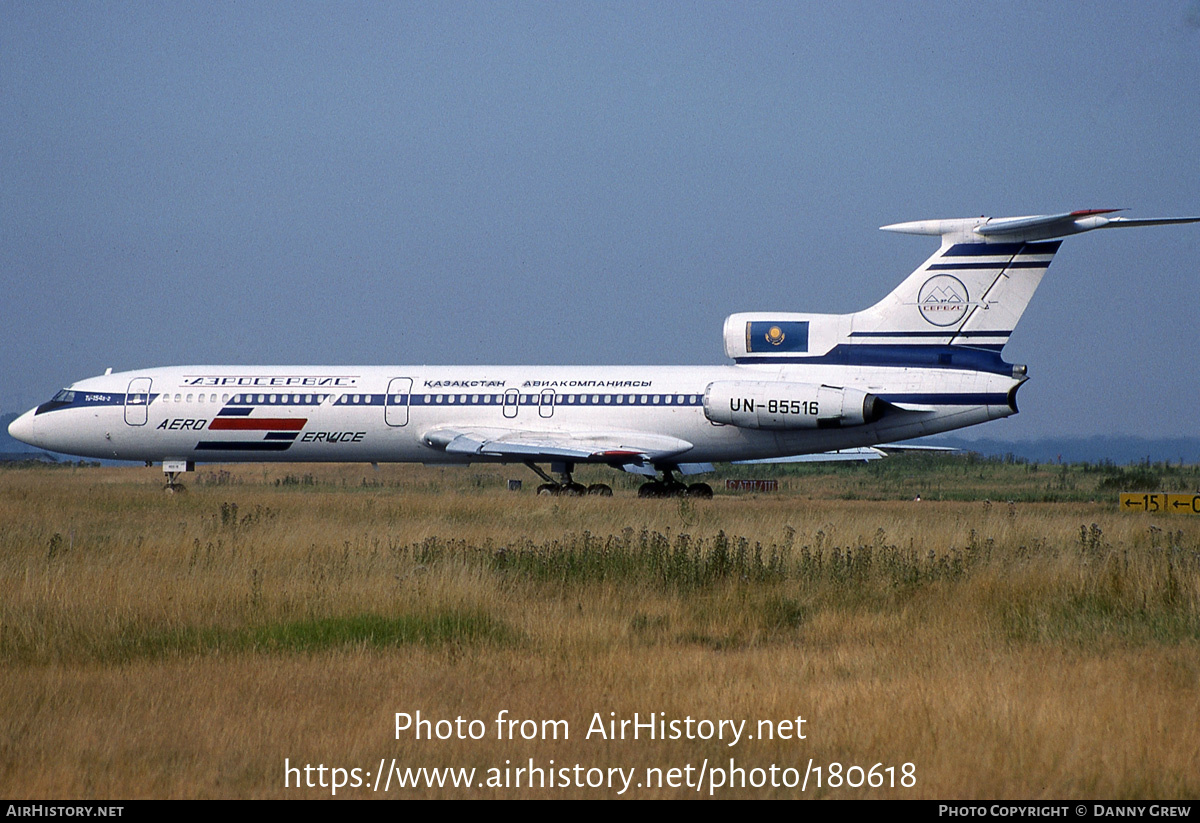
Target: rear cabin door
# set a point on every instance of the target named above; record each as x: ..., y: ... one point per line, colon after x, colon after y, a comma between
x: 395, y: 402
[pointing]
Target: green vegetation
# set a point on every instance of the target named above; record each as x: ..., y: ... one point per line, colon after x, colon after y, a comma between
x: 364, y: 631
x: 941, y: 476
x: 1014, y: 607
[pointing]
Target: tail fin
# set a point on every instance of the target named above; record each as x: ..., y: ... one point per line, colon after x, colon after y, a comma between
x: 971, y: 292
x: 975, y: 288
x: 969, y: 296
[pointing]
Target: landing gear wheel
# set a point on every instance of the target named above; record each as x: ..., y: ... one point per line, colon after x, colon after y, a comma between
x: 574, y: 489
x: 548, y: 489
x: 652, y: 489
x: 702, y: 491
x: 600, y: 490
x: 172, y: 487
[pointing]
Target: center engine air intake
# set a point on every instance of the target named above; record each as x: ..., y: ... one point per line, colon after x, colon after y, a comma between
x: 763, y: 405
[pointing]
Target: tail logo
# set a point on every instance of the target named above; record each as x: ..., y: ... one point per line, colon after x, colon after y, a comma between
x: 943, y: 300
x: 775, y: 336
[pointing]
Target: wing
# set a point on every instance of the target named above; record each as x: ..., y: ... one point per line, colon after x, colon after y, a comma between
x: 613, y: 447
x: 861, y: 454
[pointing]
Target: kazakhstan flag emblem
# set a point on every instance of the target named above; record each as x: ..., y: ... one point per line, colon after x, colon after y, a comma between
x: 777, y: 336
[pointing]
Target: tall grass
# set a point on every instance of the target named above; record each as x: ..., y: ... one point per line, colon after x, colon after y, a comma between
x: 184, y: 645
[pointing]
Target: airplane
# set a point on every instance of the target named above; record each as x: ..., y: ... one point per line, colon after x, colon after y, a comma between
x: 923, y: 360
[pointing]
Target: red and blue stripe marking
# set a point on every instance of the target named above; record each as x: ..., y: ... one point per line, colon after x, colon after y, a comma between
x: 278, y: 432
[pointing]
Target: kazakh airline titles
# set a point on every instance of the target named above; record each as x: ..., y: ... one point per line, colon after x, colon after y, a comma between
x: 925, y: 359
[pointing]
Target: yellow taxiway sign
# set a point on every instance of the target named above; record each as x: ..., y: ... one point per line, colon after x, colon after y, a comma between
x: 1160, y: 503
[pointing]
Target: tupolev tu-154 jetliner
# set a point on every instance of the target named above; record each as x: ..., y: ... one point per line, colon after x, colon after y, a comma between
x: 925, y: 359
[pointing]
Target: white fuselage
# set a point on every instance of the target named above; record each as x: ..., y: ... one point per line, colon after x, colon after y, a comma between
x: 924, y: 359
x: 387, y: 414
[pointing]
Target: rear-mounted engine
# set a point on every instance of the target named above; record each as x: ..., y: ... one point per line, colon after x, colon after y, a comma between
x: 763, y: 405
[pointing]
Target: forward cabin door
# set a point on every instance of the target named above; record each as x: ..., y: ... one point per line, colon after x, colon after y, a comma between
x: 137, y: 398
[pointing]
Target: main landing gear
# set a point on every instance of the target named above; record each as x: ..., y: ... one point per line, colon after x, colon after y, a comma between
x: 670, y: 487
x: 667, y: 487
x: 566, y: 485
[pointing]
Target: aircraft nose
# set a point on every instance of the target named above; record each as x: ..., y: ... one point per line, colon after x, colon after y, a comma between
x: 22, y: 429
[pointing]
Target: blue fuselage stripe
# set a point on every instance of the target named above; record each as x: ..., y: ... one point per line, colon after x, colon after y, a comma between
x: 968, y: 358
x: 944, y: 399
x: 943, y: 333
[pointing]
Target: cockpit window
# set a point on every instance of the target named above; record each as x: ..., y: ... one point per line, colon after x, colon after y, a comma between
x: 61, y: 400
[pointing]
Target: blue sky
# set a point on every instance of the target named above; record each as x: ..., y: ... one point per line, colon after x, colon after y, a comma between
x: 410, y: 183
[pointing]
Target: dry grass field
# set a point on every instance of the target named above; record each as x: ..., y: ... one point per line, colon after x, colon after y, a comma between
x: 1011, y: 635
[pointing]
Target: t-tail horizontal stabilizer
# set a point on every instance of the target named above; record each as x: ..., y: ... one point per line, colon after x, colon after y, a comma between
x: 1030, y: 228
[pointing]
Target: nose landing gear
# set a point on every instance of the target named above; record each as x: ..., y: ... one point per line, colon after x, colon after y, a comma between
x: 172, y: 469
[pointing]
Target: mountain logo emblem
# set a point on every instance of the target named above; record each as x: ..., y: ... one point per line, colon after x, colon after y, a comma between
x: 943, y: 300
